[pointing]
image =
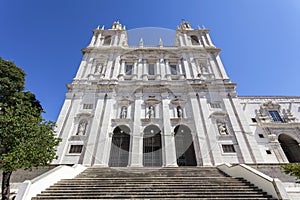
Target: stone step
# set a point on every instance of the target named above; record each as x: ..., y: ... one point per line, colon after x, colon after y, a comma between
x: 114, y: 187
x: 153, y: 183
x: 153, y: 192
x: 68, y: 190
x: 181, y: 198
x: 149, y: 196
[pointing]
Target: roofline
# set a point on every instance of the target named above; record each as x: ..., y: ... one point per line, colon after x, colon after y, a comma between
x: 269, y: 97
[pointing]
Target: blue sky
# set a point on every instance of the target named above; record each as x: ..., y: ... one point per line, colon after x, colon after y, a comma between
x: 260, y: 39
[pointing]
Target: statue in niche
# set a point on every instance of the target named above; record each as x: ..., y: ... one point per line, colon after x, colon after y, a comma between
x: 123, y: 114
x: 222, y: 128
x: 151, y: 112
x: 99, y: 69
x: 204, y: 69
x: 82, y: 127
x: 179, y: 112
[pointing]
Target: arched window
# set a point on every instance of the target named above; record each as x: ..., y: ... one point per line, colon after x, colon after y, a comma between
x: 82, y: 127
x: 107, y: 40
x: 195, y: 40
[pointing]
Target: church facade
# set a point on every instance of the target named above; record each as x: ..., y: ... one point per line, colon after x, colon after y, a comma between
x: 169, y: 106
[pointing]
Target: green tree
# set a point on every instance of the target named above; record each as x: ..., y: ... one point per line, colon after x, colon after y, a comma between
x: 292, y: 169
x: 26, y: 139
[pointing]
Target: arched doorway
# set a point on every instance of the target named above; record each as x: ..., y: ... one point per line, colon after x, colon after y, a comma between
x: 290, y: 147
x: 119, y: 151
x: 152, y: 155
x: 185, y: 152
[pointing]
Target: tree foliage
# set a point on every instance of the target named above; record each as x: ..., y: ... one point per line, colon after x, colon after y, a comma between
x: 292, y: 169
x: 26, y: 139
x: 12, y: 79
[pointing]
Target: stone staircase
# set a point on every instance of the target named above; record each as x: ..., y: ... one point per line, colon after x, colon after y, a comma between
x: 153, y: 183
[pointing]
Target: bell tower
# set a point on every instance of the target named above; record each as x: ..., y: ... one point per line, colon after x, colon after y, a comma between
x: 187, y: 36
x: 115, y: 36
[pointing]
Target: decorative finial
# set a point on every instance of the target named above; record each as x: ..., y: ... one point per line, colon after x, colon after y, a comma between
x: 98, y: 27
x: 141, y: 42
x: 160, y: 42
x: 102, y: 27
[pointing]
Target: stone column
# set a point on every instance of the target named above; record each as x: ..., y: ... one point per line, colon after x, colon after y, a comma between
x: 209, y: 40
x: 168, y: 140
x: 168, y: 73
x: 85, y: 63
x: 186, y: 67
x: 135, y: 71
x: 136, y: 153
x: 99, y: 39
x: 158, y: 71
x: 122, y: 71
x: 108, y: 67
x: 162, y: 67
x: 116, y: 68
x: 145, y: 71
x: 95, y: 36
x: 204, y: 40
x: 181, y: 75
x: 194, y: 68
x: 140, y: 67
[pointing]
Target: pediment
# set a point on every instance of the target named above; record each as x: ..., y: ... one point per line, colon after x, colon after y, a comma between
x: 124, y: 101
x: 178, y: 101
x: 218, y: 114
x: 269, y: 105
x: 152, y: 101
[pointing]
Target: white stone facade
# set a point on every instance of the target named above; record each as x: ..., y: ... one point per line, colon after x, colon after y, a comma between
x: 168, y: 106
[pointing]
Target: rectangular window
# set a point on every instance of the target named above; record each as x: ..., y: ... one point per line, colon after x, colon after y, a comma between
x: 228, y: 148
x: 87, y: 106
x: 128, y: 69
x: 173, y: 69
x: 151, y: 69
x: 275, y: 115
x: 76, y: 148
x: 260, y: 135
x: 268, y: 152
x: 254, y: 120
x: 215, y: 105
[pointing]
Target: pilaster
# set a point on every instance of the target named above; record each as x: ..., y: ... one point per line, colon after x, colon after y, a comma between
x: 93, y: 137
x: 168, y: 139
x: 136, y: 153
x: 102, y: 151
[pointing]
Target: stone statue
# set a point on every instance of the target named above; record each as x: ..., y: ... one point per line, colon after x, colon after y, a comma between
x: 179, y: 112
x: 123, y: 114
x: 222, y: 128
x: 151, y: 112
x: 82, y: 128
x: 99, y: 69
